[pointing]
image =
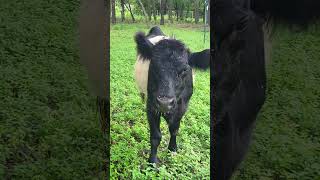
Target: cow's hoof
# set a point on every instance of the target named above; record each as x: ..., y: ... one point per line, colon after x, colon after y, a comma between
x: 143, y: 97
x: 153, y: 160
x: 172, y: 148
x: 174, y: 153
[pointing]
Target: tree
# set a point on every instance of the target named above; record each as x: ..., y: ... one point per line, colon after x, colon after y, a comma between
x: 130, y: 10
x: 162, y: 6
x: 208, y: 12
x: 196, y: 11
x: 176, y: 8
x: 122, y: 10
x: 154, y: 9
x: 149, y: 8
x: 143, y: 9
x: 188, y: 9
x: 113, y: 11
x: 181, y: 9
x: 170, y: 7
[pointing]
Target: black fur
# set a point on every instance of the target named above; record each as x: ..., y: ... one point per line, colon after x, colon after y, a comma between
x: 155, y: 31
x: 200, y: 60
x: 288, y: 11
x: 170, y: 77
x: 238, y: 77
x: 144, y: 47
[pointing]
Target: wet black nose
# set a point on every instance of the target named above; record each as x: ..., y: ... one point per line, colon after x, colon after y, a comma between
x: 165, y: 103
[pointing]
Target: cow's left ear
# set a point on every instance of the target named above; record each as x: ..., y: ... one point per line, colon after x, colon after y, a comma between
x: 200, y: 59
x: 144, y: 46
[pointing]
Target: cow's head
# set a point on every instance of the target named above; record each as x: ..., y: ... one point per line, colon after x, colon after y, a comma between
x: 170, y: 70
x: 169, y: 74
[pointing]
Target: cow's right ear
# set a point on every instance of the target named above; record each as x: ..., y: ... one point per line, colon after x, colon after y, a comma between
x: 144, y: 46
x: 200, y: 60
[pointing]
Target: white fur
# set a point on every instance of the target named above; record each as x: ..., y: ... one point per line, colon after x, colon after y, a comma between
x: 156, y: 39
x: 141, y: 74
x: 193, y: 76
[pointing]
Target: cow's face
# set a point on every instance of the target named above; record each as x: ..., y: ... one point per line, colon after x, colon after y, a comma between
x: 169, y: 74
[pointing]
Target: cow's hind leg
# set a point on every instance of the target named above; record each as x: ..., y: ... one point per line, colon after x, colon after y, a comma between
x: 142, y: 95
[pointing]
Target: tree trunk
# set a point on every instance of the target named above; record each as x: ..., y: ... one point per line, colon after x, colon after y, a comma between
x: 204, y: 15
x: 143, y: 9
x: 113, y: 10
x: 181, y: 12
x: 177, y: 11
x: 122, y: 11
x: 208, y: 13
x: 196, y: 11
x: 130, y: 10
x: 162, y: 5
x: 170, y: 10
x: 154, y: 9
x: 149, y: 10
x: 188, y: 10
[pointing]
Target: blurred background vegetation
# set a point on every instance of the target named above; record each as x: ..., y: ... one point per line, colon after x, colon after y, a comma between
x: 160, y: 11
x: 49, y: 126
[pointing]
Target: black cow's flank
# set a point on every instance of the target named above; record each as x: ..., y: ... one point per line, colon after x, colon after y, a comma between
x: 238, y: 76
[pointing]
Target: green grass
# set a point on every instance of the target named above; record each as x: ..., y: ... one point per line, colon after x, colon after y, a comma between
x: 286, y: 142
x: 129, y: 125
x: 49, y: 128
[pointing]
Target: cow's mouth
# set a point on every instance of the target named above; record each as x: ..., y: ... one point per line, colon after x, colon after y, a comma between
x: 166, y: 109
x: 165, y: 104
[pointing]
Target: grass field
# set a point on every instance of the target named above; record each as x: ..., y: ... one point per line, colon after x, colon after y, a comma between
x: 49, y: 128
x: 287, y: 136
x: 129, y: 125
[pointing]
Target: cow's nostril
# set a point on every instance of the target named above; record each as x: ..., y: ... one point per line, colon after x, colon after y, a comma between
x: 165, y: 102
x: 171, y: 101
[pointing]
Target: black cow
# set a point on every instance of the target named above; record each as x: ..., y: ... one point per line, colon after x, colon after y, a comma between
x: 164, y: 73
x: 238, y: 77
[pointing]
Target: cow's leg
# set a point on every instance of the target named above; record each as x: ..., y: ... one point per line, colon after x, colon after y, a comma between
x: 174, y: 124
x: 173, y: 128
x: 155, y: 133
x: 142, y: 96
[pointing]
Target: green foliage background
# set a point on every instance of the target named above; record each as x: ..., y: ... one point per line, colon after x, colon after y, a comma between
x: 129, y: 125
x: 49, y: 128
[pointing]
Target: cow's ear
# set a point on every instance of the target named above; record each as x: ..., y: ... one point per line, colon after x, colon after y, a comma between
x: 200, y: 60
x: 144, y: 46
x: 156, y: 31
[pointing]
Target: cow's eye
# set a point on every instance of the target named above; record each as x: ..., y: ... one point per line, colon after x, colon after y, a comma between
x: 183, y: 72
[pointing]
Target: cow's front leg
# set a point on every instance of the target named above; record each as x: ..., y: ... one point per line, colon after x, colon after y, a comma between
x: 174, y: 124
x: 155, y: 133
x: 173, y: 128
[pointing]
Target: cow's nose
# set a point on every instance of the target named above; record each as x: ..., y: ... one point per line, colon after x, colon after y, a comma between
x: 165, y: 103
